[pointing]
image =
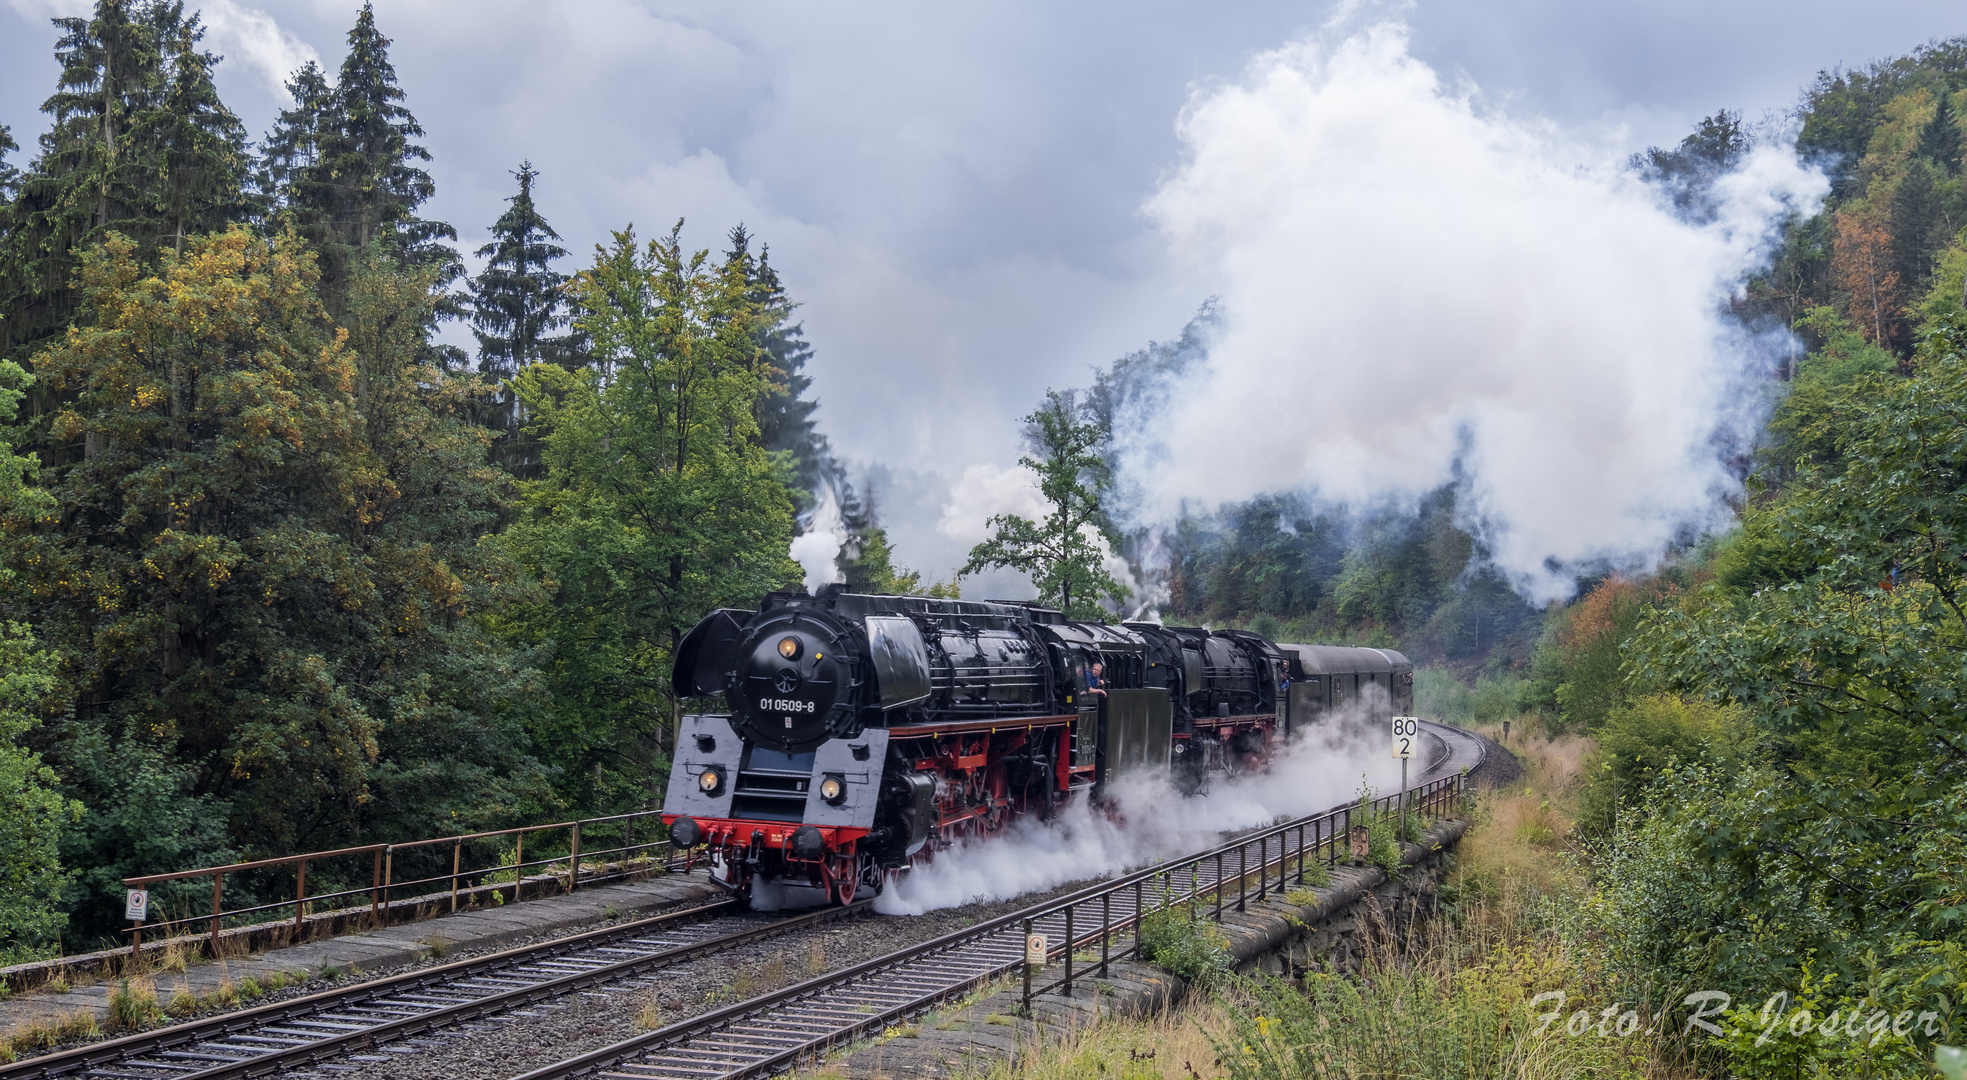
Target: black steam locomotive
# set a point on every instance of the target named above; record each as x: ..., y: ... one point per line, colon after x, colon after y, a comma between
x: 866, y: 732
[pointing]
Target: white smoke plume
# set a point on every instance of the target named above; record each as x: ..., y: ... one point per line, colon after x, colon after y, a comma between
x: 986, y: 491
x: 1325, y: 766
x: 1418, y: 289
x: 817, y: 550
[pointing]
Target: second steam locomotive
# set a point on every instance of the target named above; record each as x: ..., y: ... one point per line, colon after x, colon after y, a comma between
x: 867, y: 732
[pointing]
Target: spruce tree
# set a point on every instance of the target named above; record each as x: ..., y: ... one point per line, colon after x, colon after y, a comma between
x: 516, y: 300
x: 1940, y: 140
x: 82, y: 181
x: 140, y: 145
x: 365, y: 186
x: 9, y: 175
x: 784, y: 413
x: 294, y: 145
x: 197, y: 147
x: 1919, y: 227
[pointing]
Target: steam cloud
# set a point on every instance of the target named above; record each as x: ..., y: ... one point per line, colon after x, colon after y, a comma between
x: 1418, y: 290
x: 817, y: 550
x: 1321, y: 768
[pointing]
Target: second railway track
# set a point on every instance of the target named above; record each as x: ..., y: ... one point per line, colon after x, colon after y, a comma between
x: 303, y: 1031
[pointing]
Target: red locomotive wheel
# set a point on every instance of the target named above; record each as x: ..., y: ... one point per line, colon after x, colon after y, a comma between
x: 842, y: 879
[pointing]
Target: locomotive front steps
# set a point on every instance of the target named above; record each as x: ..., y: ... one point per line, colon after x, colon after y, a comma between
x: 1273, y: 936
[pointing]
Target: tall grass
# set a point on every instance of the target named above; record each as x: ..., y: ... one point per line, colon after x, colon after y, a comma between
x: 1432, y: 1009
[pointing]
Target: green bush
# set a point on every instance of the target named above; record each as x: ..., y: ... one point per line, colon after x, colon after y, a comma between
x: 1638, y: 742
x: 1179, y: 939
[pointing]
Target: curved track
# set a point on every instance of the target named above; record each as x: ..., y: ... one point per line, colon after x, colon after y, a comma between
x: 292, y: 1034
x: 1461, y: 752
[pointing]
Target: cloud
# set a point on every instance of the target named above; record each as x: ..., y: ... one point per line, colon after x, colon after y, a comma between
x: 247, y: 35
x: 254, y: 38
x: 1417, y: 290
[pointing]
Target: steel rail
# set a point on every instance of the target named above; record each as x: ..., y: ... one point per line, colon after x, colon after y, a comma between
x: 203, y: 1040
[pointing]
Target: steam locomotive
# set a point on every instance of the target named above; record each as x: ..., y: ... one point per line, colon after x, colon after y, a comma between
x: 866, y: 732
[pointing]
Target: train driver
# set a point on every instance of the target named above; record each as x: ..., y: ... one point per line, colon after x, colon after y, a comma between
x: 1095, y: 684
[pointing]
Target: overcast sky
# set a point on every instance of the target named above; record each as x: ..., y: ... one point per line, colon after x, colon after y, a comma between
x: 955, y: 192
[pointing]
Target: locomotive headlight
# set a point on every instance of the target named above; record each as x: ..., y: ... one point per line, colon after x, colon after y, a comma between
x: 789, y: 648
x: 833, y: 789
x: 712, y: 780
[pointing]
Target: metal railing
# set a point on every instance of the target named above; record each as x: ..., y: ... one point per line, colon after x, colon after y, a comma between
x: 1210, y: 877
x: 564, y: 857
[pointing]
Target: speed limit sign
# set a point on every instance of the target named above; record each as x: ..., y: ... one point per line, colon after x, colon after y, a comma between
x: 1406, y: 736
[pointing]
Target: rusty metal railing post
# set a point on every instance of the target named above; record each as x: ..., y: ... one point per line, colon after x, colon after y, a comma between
x: 388, y: 874
x: 1242, y: 872
x: 1067, y: 989
x: 1106, y: 929
x: 375, y: 890
x: 1027, y: 967
x: 136, y: 946
x: 218, y: 882
x: 574, y: 861
x: 457, y: 849
x: 300, y: 897
x: 518, y: 863
x: 1140, y: 918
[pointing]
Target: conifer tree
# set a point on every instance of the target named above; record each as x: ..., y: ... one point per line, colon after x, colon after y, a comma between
x: 294, y: 145
x: 1940, y: 140
x: 9, y: 175
x: 365, y: 186
x: 140, y: 145
x: 516, y: 300
x: 1919, y: 227
x: 785, y: 413
x: 197, y: 146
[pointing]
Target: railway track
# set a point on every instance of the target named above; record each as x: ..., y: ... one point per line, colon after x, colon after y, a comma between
x: 780, y: 1029
x: 366, y: 1016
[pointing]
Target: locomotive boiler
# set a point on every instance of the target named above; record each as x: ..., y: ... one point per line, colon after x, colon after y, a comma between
x: 862, y: 733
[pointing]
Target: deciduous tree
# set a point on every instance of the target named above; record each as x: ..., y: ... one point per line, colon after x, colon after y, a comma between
x: 1862, y: 260
x: 259, y: 569
x: 658, y: 503
x: 1065, y: 555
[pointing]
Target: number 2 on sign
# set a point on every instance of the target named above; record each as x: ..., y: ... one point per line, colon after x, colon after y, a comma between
x: 1406, y: 736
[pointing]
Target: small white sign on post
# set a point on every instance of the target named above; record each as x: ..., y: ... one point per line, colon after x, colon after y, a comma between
x: 1406, y: 737
x: 1035, y: 950
x: 136, y: 905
